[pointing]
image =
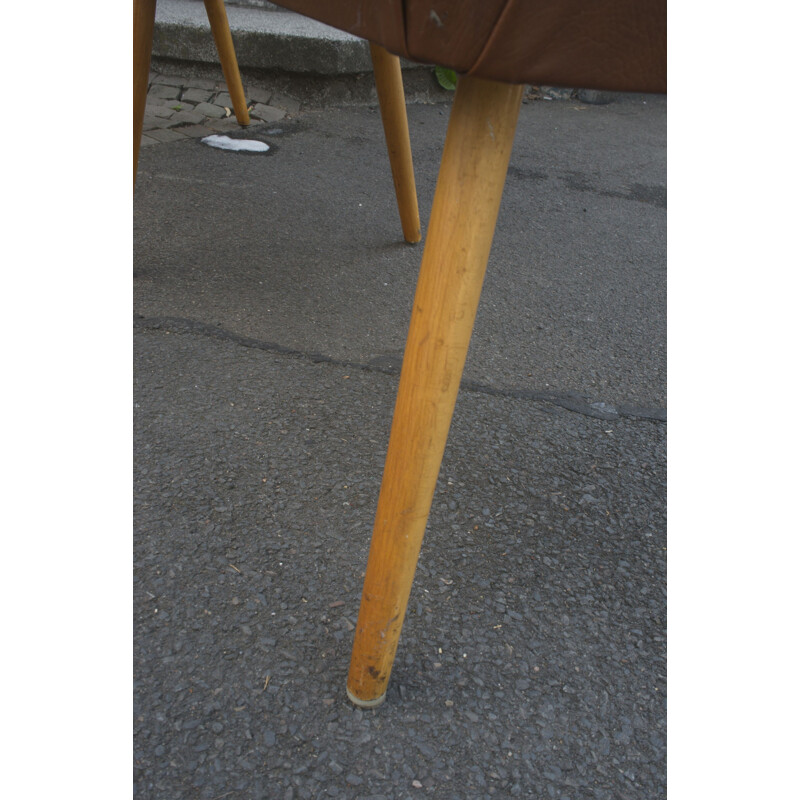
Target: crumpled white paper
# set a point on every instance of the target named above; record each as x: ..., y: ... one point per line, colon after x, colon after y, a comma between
x: 226, y: 143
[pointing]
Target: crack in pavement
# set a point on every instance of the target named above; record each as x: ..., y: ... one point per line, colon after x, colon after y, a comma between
x: 389, y: 365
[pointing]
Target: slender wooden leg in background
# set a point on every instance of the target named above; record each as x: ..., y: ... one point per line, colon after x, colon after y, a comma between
x: 471, y: 177
x: 221, y: 30
x: 389, y: 83
x: 144, y: 16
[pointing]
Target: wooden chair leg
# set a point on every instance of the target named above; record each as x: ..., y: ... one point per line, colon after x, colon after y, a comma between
x: 218, y: 17
x: 144, y: 16
x: 389, y: 83
x: 471, y: 177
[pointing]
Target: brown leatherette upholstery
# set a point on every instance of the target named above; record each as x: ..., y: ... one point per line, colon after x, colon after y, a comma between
x: 619, y: 45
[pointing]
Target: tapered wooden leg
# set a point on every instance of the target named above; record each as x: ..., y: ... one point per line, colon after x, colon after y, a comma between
x: 144, y: 16
x: 221, y: 30
x: 465, y: 206
x: 389, y: 83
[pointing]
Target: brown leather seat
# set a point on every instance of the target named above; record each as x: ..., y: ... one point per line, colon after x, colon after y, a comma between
x: 619, y: 45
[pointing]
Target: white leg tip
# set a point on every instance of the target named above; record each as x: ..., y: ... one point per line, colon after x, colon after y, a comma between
x: 365, y: 703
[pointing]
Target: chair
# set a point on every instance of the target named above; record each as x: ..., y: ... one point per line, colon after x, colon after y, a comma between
x: 388, y: 81
x: 497, y: 46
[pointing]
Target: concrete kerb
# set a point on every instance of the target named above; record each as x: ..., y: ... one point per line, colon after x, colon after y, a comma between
x: 286, y: 46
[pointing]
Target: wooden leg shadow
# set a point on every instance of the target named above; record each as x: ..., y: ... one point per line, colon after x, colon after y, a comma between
x: 468, y: 192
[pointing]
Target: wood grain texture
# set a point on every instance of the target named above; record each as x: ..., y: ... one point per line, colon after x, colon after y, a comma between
x: 389, y: 83
x: 467, y: 199
x: 218, y: 18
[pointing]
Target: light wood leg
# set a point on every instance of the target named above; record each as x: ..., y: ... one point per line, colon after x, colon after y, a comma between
x: 389, y: 83
x: 221, y: 30
x: 144, y: 16
x: 465, y: 206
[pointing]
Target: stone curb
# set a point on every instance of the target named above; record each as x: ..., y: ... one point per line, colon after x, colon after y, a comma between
x: 263, y: 39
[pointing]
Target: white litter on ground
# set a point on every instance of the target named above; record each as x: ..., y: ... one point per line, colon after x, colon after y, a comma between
x: 226, y: 143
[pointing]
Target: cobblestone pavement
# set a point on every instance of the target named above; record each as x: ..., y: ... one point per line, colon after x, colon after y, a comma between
x: 182, y: 107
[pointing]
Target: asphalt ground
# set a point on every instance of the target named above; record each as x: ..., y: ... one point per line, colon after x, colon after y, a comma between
x: 271, y: 300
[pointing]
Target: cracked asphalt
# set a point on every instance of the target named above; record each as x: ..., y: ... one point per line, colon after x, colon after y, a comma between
x: 271, y: 301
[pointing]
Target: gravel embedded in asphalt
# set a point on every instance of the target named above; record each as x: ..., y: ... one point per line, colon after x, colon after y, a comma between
x: 533, y: 658
x: 533, y: 655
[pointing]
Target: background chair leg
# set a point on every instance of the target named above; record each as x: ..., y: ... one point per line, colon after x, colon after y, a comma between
x: 471, y: 177
x: 218, y: 17
x: 389, y: 83
x: 144, y: 17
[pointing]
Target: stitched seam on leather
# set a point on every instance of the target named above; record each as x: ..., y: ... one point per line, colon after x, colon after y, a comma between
x: 490, y: 39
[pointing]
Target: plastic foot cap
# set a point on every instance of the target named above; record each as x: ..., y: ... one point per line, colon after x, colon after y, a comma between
x: 365, y: 703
